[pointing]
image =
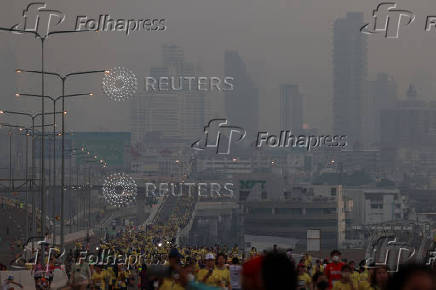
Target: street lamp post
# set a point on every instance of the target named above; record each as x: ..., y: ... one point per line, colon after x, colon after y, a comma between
x: 27, y: 134
x: 10, y: 161
x: 32, y: 117
x: 54, y: 101
x: 92, y: 160
x: 10, y: 173
x: 72, y: 151
x: 89, y: 158
x: 63, y: 79
x: 42, y: 38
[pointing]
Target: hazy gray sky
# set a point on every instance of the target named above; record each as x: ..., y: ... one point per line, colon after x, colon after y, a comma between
x: 281, y: 41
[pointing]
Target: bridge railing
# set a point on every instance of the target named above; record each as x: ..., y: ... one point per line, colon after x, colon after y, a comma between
x: 184, y: 233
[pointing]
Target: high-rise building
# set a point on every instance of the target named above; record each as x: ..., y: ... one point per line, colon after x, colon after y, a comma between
x: 172, y: 55
x: 176, y: 114
x: 410, y: 124
x: 241, y: 103
x: 382, y: 95
x: 349, y: 79
x: 291, y: 108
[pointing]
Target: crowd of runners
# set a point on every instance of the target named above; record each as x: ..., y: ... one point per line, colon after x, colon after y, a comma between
x: 139, y: 259
x: 149, y: 258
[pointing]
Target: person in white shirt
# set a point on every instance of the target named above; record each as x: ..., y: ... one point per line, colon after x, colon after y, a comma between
x: 235, y: 274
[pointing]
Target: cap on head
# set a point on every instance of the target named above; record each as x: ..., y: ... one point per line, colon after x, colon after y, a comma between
x: 210, y: 256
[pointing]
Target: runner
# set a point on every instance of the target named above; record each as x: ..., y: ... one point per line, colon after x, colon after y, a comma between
x: 205, y: 275
x: 345, y: 283
x: 304, y: 280
x: 235, y: 274
x: 333, y: 269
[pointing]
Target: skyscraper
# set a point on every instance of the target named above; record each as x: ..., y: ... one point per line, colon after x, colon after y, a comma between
x: 173, y: 56
x: 242, y: 103
x: 177, y: 114
x: 382, y: 95
x: 291, y: 108
x: 410, y: 124
x: 350, y: 76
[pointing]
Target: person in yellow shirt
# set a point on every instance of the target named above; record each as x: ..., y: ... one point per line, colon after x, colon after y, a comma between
x: 364, y: 274
x: 221, y: 274
x: 235, y: 251
x: 318, y: 268
x: 121, y: 282
x: 98, y: 278
x: 205, y: 275
x: 253, y: 252
x: 346, y: 283
x: 170, y: 284
x: 355, y: 276
x: 304, y: 282
x: 307, y: 260
x: 110, y: 276
x: 173, y: 283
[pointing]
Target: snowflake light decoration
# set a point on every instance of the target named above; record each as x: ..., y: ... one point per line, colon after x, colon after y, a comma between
x: 119, y: 189
x: 119, y: 84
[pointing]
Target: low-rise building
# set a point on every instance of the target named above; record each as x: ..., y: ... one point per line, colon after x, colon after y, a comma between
x: 270, y: 210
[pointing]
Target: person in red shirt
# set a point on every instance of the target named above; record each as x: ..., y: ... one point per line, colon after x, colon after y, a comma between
x: 333, y: 269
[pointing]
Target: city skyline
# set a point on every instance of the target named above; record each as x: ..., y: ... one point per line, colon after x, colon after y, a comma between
x: 299, y: 124
x: 315, y: 82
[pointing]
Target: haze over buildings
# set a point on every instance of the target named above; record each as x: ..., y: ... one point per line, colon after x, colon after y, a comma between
x: 302, y: 66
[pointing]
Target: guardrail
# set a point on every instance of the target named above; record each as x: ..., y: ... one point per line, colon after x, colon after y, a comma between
x: 184, y: 233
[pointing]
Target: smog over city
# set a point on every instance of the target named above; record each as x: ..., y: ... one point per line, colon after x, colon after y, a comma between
x: 217, y: 144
